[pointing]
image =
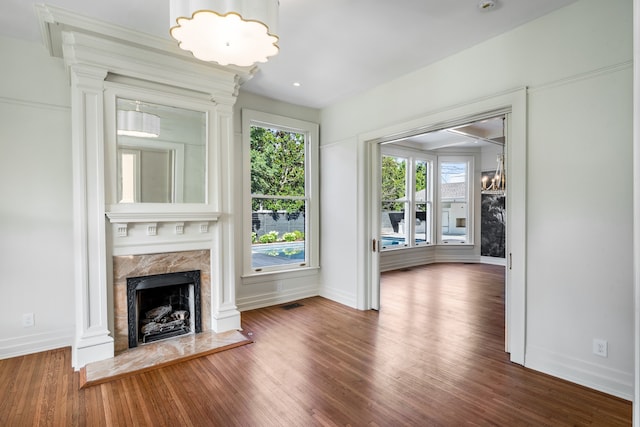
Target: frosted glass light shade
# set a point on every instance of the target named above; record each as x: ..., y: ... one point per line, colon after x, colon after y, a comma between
x: 137, y: 123
x: 236, y: 32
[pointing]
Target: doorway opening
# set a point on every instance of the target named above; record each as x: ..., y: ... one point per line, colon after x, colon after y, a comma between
x: 442, y: 188
x: 511, y: 106
x: 442, y: 196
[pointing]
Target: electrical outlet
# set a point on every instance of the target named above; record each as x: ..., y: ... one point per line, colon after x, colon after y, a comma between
x: 28, y: 320
x: 600, y: 347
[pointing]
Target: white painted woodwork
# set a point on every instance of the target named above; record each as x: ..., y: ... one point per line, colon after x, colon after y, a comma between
x: 636, y: 205
x: 103, y: 66
x: 93, y: 340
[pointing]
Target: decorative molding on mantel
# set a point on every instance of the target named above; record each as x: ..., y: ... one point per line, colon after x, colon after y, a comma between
x: 159, y: 217
x: 152, y: 229
x: 180, y: 228
x: 54, y: 21
x: 122, y: 220
x: 122, y: 230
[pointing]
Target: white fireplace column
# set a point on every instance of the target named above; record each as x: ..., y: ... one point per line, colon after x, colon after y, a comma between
x: 225, y: 315
x: 92, y: 338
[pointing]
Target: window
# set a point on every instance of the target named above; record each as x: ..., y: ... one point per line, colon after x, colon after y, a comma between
x: 394, y: 202
x: 423, y: 204
x: 455, y: 196
x: 406, y: 192
x: 281, y: 190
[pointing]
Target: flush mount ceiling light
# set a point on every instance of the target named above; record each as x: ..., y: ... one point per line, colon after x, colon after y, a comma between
x: 138, y: 123
x: 236, y: 32
x: 486, y: 4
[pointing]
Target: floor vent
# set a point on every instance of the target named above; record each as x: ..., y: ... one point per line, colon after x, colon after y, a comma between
x: 290, y: 306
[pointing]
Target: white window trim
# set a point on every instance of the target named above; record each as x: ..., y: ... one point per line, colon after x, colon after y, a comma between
x: 470, y: 160
x: 412, y: 156
x: 312, y: 229
x: 428, y: 199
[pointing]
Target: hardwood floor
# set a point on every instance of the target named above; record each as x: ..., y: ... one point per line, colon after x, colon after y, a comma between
x: 433, y: 356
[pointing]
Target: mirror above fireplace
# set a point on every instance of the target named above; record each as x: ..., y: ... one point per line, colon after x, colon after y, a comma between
x: 161, y: 152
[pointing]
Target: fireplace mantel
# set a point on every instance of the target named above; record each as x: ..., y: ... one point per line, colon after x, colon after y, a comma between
x: 155, y: 216
x: 104, y: 60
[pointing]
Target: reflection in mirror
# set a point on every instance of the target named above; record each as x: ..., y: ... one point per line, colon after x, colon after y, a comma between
x: 161, y: 153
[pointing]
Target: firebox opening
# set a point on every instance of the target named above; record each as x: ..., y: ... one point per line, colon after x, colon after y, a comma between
x: 163, y: 306
x: 164, y: 312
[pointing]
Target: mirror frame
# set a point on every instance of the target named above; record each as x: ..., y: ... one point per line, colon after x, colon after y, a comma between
x: 115, y: 90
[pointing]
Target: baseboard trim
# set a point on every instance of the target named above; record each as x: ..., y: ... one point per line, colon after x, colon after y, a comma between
x: 407, y: 263
x: 35, y: 343
x: 493, y: 260
x: 339, y: 296
x: 588, y: 374
x: 274, y: 298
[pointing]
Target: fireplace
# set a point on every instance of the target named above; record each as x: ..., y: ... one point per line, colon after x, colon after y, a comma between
x: 162, y: 306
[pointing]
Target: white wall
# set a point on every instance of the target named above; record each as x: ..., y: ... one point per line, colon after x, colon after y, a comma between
x: 580, y: 233
x: 338, y: 219
x: 577, y: 64
x: 36, y: 264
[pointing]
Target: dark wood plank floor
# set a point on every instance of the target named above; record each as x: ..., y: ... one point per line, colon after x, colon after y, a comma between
x: 432, y: 356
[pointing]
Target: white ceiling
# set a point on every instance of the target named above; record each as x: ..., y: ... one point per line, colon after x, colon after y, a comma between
x: 333, y: 48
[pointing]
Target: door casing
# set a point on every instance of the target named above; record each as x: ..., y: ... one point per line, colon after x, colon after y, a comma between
x: 513, y: 104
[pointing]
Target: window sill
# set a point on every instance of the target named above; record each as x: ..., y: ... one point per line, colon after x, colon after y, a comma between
x: 401, y: 248
x: 258, y: 276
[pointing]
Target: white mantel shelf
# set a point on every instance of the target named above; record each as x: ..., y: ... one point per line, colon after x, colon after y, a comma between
x: 155, y: 217
x: 141, y: 214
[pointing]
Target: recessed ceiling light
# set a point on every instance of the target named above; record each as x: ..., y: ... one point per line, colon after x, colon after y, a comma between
x: 486, y: 4
x: 296, y: 84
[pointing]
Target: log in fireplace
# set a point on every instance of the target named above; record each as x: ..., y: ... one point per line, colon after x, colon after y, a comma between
x: 162, y: 306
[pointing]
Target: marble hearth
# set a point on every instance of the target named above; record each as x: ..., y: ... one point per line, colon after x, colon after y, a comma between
x: 150, y: 264
x: 160, y: 354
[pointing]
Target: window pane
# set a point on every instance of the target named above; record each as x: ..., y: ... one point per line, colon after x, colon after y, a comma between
x: 454, y: 195
x: 422, y: 228
x: 277, y: 235
x: 394, y: 179
x: 422, y: 234
x: 393, y: 195
x: 277, y: 162
x: 422, y: 175
x: 393, y: 230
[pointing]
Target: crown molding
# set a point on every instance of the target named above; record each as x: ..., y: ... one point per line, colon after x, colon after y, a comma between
x: 54, y: 22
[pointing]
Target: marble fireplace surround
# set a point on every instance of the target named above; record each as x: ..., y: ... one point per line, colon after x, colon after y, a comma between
x: 161, y: 263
